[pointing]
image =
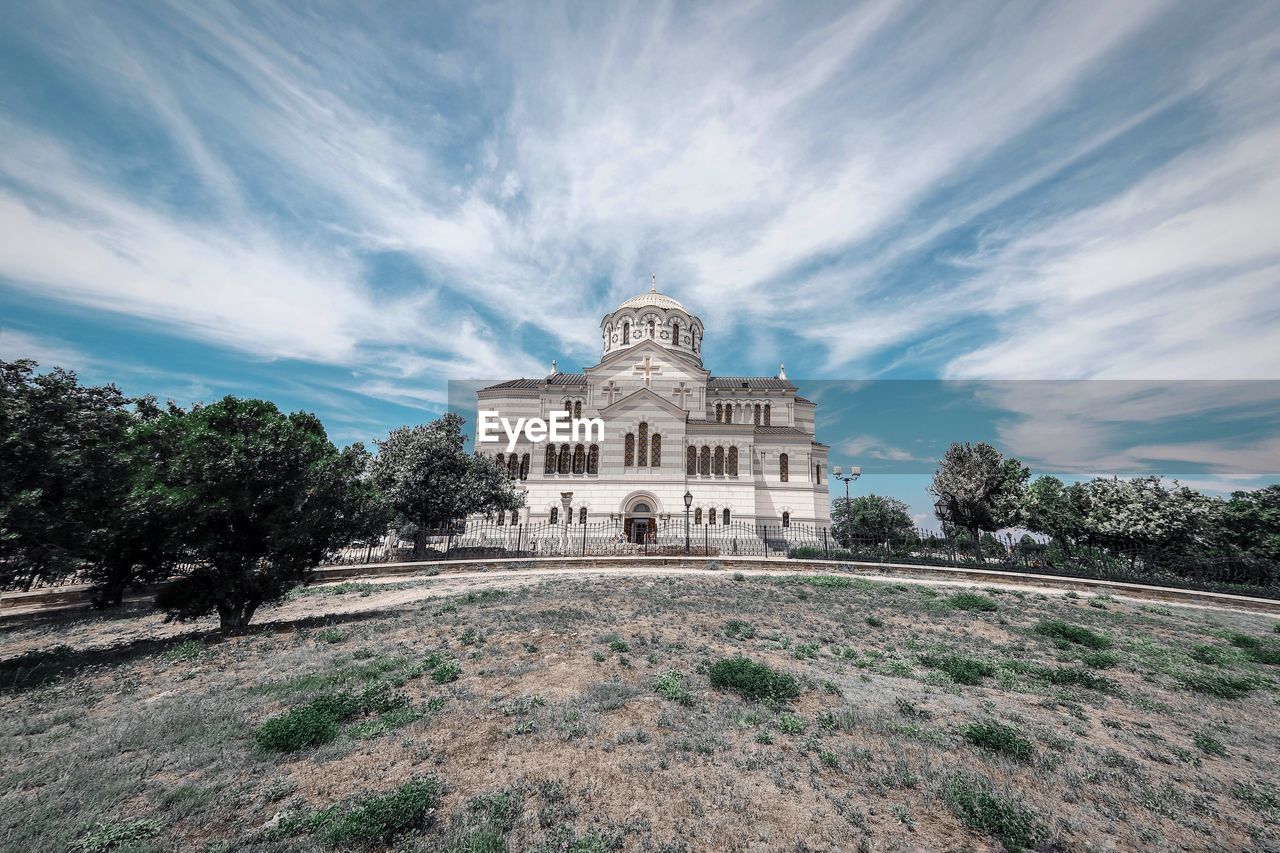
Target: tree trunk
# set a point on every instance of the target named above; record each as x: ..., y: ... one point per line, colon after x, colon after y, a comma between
x: 420, y: 544
x: 234, y: 617
x: 977, y: 544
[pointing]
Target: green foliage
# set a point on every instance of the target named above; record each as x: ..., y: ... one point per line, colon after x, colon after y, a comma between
x: 1064, y: 632
x: 790, y: 724
x: 1256, y: 649
x: 978, y: 489
x: 875, y: 622
x: 318, y: 722
x: 1053, y: 509
x: 752, y: 680
x: 446, y: 672
x: 376, y: 819
x: 737, y: 629
x: 106, y: 836
x: 1208, y: 744
x: 258, y: 499
x: 619, y: 646
x: 187, y: 650
x: 1218, y: 685
x: 431, y: 481
x: 1099, y: 660
x: 973, y: 601
x: 978, y: 807
x: 671, y: 685
x: 870, y: 519
x: 1250, y: 521
x: 1000, y: 738
x: 331, y: 635
x: 960, y: 669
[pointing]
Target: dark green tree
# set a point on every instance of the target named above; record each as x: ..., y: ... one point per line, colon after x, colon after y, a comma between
x: 61, y: 469
x: 1250, y: 522
x: 258, y: 498
x: 978, y: 490
x: 1056, y: 510
x: 431, y: 481
x: 870, y: 518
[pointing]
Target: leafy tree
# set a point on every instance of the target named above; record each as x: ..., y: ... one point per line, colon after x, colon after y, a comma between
x: 978, y: 490
x: 61, y: 470
x: 1054, y: 509
x: 431, y: 481
x: 1250, y: 522
x: 258, y: 498
x: 870, y: 517
x: 1143, y: 513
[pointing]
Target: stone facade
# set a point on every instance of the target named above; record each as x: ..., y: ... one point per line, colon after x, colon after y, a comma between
x: 754, y: 449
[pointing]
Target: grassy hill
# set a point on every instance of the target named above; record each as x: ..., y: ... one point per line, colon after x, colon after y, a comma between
x: 711, y: 711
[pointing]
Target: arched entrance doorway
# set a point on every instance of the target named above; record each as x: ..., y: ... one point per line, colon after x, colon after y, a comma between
x: 640, y: 522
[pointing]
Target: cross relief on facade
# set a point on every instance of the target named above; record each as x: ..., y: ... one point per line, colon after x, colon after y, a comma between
x: 647, y: 369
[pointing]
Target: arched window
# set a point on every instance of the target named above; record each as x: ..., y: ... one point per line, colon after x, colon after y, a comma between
x: 767, y: 411
x: 757, y: 414
x: 697, y: 515
x: 524, y: 467
x: 502, y: 518
x: 593, y: 459
x: 711, y: 516
x: 567, y: 405
x: 513, y: 466
x: 784, y: 468
x: 582, y: 515
x: 655, y: 451
x: 691, y: 461
x: 675, y: 333
x: 786, y: 519
x: 704, y: 460
x: 626, y: 332
x: 732, y: 466
x: 629, y: 450
x: 718, y: 468
x: 549, y: 463
x: 719, y: 412
x: 653, y: 332
x: 817, y: 474
x: 577, y: 409
x: 726, y: 516
x: 501, y: 459
x: 695, y: 340
x: 642, y: 451
x: 564, y: 459
x: 579, y: 459
x: 515, y: 517
x: 555, y: 514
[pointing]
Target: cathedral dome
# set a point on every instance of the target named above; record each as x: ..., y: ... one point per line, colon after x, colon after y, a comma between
x: 653, y: 299
x: 653, y: 317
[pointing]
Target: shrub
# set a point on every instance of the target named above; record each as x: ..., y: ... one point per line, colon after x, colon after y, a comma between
x: 1000, y: 738
x: 973, y: 601
x: 619, y: 646
x: 1065, y: 675
x: 1208, y: 744
x: 671, y: 685
x: 790, y: 724
x: 960, y: 669
x: 331, y: 635
x: 737, y: 629
x: 1221, y: 686
x: 753, y: 681
x: 875, y: 622
x: 105, y: 836
x: 447, y: 671
x: 313, y: 725
x: 378, y: 818
x: 1099, y: 660
x: 1064, y: 633
x: 978, y: 807
x: 1256, y: 649
x: 184, y: 651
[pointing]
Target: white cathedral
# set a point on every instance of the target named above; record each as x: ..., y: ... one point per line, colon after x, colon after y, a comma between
x: 744, y: 447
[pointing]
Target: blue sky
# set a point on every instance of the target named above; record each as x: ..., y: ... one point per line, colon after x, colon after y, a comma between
x: 343, y: 206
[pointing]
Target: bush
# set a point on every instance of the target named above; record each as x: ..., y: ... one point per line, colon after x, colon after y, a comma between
x: 1257, y: 650
x: 105, y: 836
x: 973, y: 601
x: 313, y: 725
x: 446, y: 672
x: 790, y: 724
x: 737, y: 629
x: 1099, y: 660
x: 960, y: 669
x: 753, y: 681
x: 379, y: 818
x: 978, y: 807
x: 1221, y: 686
x: 1000, y: 738
x: 671, y: 685
x: 1064, y: 632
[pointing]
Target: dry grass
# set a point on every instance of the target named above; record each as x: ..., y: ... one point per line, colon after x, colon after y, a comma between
x: 582, y: 718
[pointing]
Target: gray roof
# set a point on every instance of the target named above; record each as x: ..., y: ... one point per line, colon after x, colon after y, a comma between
x: 752, y: 383
x: 782, y: 430
x: 554, y: 379
x: 800, y: 399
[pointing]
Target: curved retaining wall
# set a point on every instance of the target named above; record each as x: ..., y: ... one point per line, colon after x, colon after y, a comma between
x: 68, y: 597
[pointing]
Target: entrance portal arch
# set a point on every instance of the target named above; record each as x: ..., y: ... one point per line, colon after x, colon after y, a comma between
x: 640, y: 517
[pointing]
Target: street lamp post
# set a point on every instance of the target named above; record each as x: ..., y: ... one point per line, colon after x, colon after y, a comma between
x: 855, y: 472
x: 688, y: 502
